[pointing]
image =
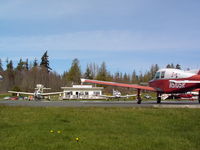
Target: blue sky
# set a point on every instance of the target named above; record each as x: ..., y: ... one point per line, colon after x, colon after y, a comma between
x: 126, y: 34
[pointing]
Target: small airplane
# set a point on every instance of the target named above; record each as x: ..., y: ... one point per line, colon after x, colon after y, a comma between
x: 38, y: 94
x: 117, y: 94
x: 166, y: 81
x: 191, y: 95
x: 179, y: 96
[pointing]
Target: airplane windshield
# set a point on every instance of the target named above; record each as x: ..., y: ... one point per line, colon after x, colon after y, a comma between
x: 162, y: 74
x: 157, y: 76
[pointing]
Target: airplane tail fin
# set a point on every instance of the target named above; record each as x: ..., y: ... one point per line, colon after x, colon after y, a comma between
x: 199, y: 72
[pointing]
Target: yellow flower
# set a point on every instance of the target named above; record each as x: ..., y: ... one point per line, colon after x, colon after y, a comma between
x: 59, y: 132
x: 51, y: 131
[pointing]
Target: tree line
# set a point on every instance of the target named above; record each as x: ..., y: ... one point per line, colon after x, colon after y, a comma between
x: 26, y: 75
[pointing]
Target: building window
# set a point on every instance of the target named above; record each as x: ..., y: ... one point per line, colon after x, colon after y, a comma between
x: 97, y: 93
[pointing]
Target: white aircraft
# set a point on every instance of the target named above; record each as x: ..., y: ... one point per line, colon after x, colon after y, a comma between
x: 117, y: 94
x: 38, y: 94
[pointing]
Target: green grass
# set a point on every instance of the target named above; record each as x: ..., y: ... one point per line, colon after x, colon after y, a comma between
x: 2, y: 95
x: 27, y: 128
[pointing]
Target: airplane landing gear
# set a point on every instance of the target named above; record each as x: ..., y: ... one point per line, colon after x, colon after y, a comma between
x: 199, y: 97
x: 139, y: 99
x: 158, y: 98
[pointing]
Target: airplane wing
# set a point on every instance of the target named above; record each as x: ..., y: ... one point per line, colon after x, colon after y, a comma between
x: 52, y: 93
x: 107, y: 96
x: 184, y: 81
x: 122, y: 96
x: 130, y: 95
x: 25, y: 93
x: 119, y: 84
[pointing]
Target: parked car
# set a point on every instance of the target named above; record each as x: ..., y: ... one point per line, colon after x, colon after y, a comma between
x: 6, y: 98
x: 21, y: 98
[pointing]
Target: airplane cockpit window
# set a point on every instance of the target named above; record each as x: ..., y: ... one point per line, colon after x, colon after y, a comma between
x: 157, y: 76
x: 162, y: 74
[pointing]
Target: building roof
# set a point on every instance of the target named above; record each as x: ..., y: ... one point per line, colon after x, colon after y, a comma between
x: 82, y: 87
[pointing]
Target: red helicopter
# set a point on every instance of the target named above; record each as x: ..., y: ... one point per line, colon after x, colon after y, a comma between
x: 166, y: 81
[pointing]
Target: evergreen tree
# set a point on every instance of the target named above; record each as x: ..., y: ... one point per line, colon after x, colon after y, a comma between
x: 126, y: 78
x: 153, y: 70
x: 45, y: 62
x: 35, y: 64
x: 178, y: 66
x: 1, y: 66
x: 26, y: 64
x: 74, y: 73
x: 141, y: 77
x: 20, y: 65
x: 102, y: 74
x: 134, y: 77
x: 9, y: 65
x: 94, y: 68
x: 168, y: 66
x: 88, y: 73
x: 172, y: 65
x: 156, y: 67
x: 117, y: 77
x: 7, y: 61
x: 9, y: 75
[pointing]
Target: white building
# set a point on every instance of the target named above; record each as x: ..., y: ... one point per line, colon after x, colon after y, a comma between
x: 82, y: 92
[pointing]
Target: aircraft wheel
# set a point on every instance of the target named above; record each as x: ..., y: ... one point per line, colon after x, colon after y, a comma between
x: 139, y: 101
x: 158, y: 100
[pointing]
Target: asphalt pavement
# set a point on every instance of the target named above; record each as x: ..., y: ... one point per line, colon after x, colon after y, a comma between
x: 151, y: 104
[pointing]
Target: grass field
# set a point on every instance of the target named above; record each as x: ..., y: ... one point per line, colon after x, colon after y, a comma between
x: 27, y: 128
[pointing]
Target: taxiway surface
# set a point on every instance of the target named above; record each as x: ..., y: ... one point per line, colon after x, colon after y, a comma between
x: 164, y: 104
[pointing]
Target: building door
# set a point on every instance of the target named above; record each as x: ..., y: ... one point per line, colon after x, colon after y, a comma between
x: 77, y: 94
